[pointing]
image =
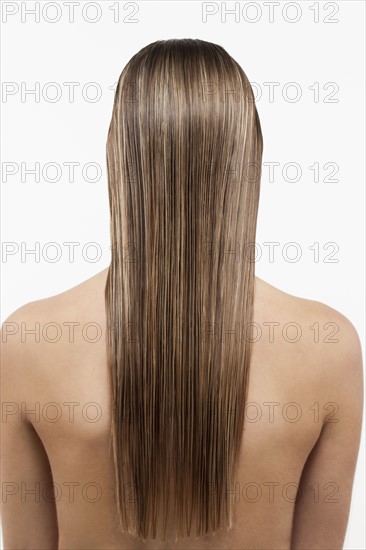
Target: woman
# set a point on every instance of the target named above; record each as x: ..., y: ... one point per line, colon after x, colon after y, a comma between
x: 175, y: 409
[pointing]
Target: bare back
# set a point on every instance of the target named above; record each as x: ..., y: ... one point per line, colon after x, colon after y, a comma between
x: 300, y: 442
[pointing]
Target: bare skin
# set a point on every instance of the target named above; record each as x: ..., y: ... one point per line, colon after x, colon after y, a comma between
x: 299, y: 451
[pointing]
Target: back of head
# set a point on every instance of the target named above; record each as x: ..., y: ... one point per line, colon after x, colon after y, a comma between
x: 184, y: 153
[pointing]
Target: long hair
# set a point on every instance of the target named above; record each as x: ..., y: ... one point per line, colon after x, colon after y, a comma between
x: 184, y: 153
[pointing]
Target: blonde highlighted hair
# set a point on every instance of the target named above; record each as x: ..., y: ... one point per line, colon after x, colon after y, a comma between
x: 184, y: 153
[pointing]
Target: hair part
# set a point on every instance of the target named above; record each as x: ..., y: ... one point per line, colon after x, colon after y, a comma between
x: 184, y: 152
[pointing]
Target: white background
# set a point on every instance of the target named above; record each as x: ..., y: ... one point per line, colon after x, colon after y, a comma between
x: 320, y: 57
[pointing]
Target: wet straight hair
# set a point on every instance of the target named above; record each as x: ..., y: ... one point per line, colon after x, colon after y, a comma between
x: 184, y: 153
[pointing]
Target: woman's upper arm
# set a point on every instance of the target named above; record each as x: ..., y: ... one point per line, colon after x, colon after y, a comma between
x: 324, y: 496
x: 28, y: 508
